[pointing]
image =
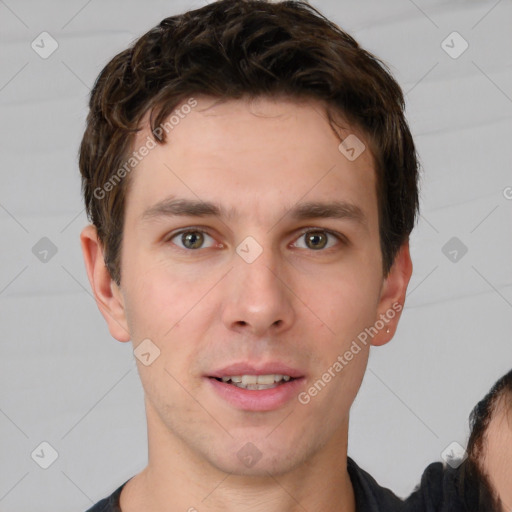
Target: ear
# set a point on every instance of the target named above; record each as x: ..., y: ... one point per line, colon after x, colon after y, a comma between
x: 392, y: 297
x: 107, y: 294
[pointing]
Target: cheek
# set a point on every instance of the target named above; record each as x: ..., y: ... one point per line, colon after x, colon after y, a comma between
x: 346, y: 304
x: 154, y: 302
x: 167, y: 302
x: 345, y: 301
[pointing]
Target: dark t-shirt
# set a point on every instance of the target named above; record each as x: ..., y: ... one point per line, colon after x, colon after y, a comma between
x: 439, y: 491
x: 110, y: 504
x: 369, y: 496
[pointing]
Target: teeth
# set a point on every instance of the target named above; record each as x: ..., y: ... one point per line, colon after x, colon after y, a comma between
x: 267, y: 379
x: 256, y: 381
x: 250, y: 379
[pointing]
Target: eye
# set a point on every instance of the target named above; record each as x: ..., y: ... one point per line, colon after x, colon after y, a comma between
x: 317, y: 239
x: 191, y: 239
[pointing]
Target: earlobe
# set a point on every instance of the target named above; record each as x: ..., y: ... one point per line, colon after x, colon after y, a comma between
x: 106, y: 293
x: 392, y: 298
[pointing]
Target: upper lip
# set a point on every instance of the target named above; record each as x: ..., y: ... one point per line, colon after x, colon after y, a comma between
x: 269, y: 368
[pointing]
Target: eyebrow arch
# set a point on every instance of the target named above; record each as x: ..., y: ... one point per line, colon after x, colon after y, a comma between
x: 172, y: 207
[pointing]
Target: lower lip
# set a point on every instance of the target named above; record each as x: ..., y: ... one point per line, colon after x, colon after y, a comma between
x: 257, y: 399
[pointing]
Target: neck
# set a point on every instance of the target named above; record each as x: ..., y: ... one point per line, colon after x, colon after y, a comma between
x: 178, y: 478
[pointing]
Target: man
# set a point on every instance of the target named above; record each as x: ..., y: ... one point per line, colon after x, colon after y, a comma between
x: 252, y: 184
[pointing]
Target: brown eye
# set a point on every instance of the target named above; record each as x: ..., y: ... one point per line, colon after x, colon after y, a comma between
x: 192, y: 239
x: 316, y: 239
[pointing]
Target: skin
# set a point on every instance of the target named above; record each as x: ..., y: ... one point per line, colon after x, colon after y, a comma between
x: 497, y: 453
x: 207, y: 308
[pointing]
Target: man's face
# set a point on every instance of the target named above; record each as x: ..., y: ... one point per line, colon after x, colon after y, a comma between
x: 198, y: 287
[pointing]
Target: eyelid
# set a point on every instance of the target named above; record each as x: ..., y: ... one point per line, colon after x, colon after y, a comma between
x: 187, y: 228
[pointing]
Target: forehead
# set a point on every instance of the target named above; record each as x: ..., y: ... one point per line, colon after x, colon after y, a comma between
x: 230, y: 150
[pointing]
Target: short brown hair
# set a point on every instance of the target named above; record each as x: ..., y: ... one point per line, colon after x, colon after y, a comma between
x: 231, y: 49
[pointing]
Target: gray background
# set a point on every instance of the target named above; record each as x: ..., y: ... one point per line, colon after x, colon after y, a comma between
x: 65, y: 381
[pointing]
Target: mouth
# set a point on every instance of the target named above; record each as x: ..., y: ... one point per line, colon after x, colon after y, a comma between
x: 253, y: 387
x: 256, y: 382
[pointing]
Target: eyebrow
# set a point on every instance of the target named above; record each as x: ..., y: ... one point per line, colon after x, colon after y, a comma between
x: 172, y: 207
x: 328, y: 210
x: 184, y: 207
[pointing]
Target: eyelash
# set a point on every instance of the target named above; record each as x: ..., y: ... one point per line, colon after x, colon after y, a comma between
x: 305, y: 231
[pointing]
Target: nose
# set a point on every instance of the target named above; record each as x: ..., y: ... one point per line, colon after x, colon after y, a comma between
x: 258, y: 299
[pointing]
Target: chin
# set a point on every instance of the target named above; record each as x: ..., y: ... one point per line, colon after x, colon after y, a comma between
x: 261, y: 458
x: 263, y: 468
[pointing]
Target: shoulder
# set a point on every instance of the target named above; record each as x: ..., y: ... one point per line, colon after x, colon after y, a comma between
x: 110, y: 503
x: 428, y: 495
x: 369, y: 495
